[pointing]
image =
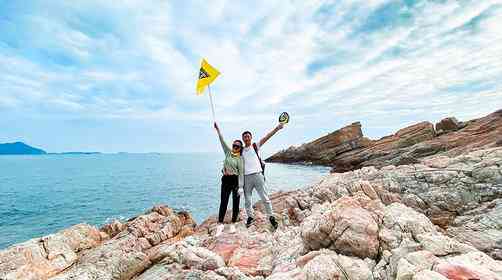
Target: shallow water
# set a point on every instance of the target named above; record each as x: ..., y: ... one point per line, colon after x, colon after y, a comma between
x: 43, y: 194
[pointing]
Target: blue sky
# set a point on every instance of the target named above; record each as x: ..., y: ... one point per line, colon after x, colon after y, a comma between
x: 101, y: 76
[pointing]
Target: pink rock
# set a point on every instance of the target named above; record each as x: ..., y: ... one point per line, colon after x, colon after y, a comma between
x: 113, y: 228
x: 459, y: 272
x: 225, y: 246
x: 246, y: 260
x: 345, y: 227
x: 303, y: 260
x: 252, y: 261
x: 49, y: 255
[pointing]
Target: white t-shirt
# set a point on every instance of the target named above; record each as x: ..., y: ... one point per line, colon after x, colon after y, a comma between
x: 251, y: 162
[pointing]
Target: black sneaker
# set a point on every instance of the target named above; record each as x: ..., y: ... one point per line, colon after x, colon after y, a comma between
x: 273, y: 222
x: 249, y: 222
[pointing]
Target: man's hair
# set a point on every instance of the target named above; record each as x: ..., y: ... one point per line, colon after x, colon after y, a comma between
x: 247, y: 132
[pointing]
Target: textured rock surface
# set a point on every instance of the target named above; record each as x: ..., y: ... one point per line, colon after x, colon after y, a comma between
x: 43, y: 257
x: 460, y: 194
x: 326, y: 148
x: 407, y: 222
x: 439, y: 218
x: 84, y: 252
x: 404, y: 147
x: 448, y: 124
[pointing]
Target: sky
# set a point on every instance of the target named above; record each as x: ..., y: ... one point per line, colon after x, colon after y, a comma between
x: 89, y: 75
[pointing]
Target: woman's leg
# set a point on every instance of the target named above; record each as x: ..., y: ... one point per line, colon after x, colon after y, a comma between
x: 225, y: 195
x: 235, y: 201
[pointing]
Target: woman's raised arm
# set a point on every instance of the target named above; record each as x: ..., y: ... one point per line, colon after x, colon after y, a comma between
x: 224, y: 146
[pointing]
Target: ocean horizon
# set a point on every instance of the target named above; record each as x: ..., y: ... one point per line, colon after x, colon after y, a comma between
x: 42, y: 194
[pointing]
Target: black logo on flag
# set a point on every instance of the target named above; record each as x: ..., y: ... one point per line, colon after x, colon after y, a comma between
x: 284, y: 118
x: 203, y: 74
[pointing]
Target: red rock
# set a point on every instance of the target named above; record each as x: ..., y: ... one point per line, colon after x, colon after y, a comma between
x: 113, y: 228
x: 254, y: 256
x: 406, y: 146
x: 448, y: 124
x: 441, y: 218
x: 162, y: 210
x: 225, y: 246
x: 458, y: 272
x: 326, y: 147
x: 249, y: 261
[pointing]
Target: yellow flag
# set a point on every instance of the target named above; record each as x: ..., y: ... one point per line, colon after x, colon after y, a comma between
x: 207, y: 74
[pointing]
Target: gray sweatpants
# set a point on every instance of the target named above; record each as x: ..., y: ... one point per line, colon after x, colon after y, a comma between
x: 251, y: 182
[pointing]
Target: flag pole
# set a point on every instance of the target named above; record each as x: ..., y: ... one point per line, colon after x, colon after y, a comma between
x: 211, y: 101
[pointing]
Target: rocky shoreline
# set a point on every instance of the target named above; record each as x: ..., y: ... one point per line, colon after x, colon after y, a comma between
x: 440, y: 218
x: 347, y: 149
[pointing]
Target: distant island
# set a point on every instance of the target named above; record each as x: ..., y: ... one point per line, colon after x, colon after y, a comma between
x: 76, y: 153
x: 20, y: 148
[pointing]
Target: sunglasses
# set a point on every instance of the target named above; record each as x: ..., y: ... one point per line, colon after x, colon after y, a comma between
x: 236, y: 146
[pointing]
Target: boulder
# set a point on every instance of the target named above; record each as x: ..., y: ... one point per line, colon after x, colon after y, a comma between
x: 322, y: 150
x: 345, y: 226
x: 447, y: 125
x: 44, y: 257
x: 460, y: 194
x: 128, y: 253
x: 326, y: 264
x: 480, y: 228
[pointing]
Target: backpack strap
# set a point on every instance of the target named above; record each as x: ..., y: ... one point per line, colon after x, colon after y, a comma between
x: 262, y: 164
x: 255, y: 147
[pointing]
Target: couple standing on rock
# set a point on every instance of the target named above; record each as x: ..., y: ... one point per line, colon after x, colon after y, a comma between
x: 243, y: 171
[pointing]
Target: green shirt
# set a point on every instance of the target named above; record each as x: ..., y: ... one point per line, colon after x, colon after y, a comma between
x: 232, y: 164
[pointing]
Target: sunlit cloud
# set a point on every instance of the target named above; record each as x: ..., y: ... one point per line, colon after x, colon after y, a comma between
x: 386, y: 63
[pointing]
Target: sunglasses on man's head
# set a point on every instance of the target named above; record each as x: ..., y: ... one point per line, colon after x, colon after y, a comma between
x: 235, y: 146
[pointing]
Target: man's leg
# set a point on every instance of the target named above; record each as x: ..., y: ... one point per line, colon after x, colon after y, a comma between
x: 260, y: 189
x: 248, y: 193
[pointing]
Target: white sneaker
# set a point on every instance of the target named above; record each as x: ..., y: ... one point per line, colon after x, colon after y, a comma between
x: 219, y: 229
x: 231, y: 229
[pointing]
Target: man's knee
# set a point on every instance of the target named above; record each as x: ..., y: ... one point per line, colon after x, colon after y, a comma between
x: 247, y: 199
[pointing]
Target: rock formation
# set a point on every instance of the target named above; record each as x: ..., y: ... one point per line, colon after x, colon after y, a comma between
x: 346, y: 149
x: 117, y: 251
x: 438, y: 218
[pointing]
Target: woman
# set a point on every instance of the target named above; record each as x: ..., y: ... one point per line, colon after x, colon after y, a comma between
x: 232, y: 180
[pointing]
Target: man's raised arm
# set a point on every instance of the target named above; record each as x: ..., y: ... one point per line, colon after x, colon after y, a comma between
x: 270, y: 134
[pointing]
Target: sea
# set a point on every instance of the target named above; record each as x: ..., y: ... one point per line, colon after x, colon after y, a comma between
x: 41, y: 194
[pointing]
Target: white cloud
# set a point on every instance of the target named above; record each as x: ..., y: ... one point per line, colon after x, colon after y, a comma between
x: 140, y: 59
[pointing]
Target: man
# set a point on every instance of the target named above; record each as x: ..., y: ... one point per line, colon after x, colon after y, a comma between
x: 253, y: 175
